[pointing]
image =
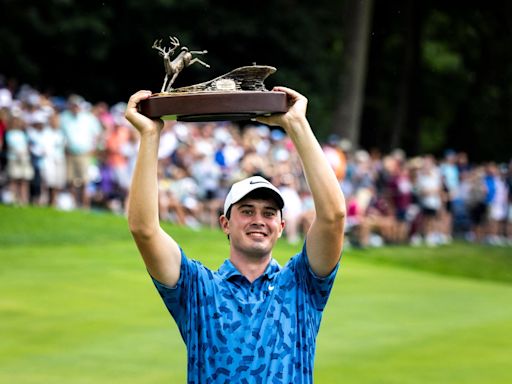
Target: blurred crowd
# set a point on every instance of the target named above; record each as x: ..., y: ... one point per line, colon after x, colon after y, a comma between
x: 72, y: 154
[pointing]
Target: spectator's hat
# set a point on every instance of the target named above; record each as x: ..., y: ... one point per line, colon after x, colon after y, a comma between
x: 277, y: 135
x: 33, y: 99
x: 5, y: 98
x: 242, y: 188
x: 76, y: 100
x: 39, y: 117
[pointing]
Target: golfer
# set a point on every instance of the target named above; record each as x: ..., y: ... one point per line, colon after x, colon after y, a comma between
x: 251, y: 321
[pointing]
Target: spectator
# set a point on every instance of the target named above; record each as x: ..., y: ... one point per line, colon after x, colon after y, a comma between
x: 116, y: 140
x: 82, y: 131
x: 129, y: 151
x: 53, y: 170
x: 4, y: 117
x: 378, y: 224
x: 207, y: 174
x: 293, y: 210
x: 429, y: 189
x: 451, y: 179
x: 335, y: 156
x: 476, y: 203
x: 168, y: 142
x: 169, y: 205
x: 19, y: 166
x: 498, y: 208
x: 205, y: 141
x: 36, y: 133
x: 400, y: 189
x: 184, y: 191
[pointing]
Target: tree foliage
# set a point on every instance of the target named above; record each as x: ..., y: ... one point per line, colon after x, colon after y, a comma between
x: 459, y: 95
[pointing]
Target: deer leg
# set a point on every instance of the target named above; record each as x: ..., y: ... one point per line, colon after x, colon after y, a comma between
x: 196, y: 60
x: 171, y: 82
x: 163, y: 85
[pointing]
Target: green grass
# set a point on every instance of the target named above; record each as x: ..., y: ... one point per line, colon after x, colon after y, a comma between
x: 76, y: 306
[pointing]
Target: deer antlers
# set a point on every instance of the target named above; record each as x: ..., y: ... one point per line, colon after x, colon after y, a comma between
x: 166, y: 51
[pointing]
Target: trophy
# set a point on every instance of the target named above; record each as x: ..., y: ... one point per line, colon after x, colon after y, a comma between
x: 236, y: 95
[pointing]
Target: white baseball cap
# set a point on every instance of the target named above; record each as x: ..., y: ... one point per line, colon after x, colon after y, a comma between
x: 242, y: 188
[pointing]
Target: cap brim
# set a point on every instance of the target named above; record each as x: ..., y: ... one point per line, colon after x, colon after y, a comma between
x: 276, y: 197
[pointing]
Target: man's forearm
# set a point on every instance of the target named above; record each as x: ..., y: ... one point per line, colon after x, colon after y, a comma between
x: 325, y: 189
x: 143, y: 197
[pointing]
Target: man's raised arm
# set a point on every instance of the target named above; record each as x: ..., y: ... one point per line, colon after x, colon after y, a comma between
x: 160, y: 252
x: 325, y: 237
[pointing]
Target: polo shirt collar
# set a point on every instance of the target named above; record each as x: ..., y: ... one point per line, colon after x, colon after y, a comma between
x: 227, y: 270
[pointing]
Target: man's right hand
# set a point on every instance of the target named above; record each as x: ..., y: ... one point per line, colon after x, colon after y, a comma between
x: 142, y: 123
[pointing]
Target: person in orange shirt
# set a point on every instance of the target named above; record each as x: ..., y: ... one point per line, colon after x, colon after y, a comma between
x: 335, y: 156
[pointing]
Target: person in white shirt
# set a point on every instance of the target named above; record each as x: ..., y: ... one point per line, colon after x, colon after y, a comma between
x: 82, y: 131
x: 19, y: 168
x: 53, y: 170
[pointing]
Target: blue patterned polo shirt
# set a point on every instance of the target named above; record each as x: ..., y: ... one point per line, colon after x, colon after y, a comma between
x: 238, y: 332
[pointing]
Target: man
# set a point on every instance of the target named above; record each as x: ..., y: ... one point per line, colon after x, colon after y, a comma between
x: 82, y: 131
x: 251, y: 321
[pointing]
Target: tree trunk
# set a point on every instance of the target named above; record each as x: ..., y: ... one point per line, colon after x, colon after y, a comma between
x: 347, y: 117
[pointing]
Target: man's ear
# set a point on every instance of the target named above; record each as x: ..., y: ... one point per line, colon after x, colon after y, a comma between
x: 283, y: 225
x: 224, y: 224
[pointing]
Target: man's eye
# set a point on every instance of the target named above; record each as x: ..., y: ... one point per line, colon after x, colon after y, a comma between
x: 270, y: 213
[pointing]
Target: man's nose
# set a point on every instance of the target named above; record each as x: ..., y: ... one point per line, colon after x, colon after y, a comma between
x: 258, y: 218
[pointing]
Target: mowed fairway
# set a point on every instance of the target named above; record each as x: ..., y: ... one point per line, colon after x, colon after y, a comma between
x: 76, y: 306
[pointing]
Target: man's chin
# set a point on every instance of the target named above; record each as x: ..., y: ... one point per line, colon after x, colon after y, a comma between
x: 258, y: 250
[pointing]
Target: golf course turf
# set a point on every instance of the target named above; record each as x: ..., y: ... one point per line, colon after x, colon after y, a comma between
x: 77, y: 306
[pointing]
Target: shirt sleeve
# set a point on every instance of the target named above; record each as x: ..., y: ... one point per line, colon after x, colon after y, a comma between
x: 178, y: 299
x: 318, y: 288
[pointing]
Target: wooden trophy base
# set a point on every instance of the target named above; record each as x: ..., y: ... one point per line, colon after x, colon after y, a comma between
x: 213, y: 106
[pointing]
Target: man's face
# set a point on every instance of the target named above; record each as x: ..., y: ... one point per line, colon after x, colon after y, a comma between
x: 74, y: 108
x: 254, y: 226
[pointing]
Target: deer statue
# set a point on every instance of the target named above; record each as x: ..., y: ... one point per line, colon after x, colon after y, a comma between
x: 174, y: 67
x: 166, y: 53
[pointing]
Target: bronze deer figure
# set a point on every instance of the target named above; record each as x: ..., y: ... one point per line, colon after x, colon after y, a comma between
x: 174, y: 67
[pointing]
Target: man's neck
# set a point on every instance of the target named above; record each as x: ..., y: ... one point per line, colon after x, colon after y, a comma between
x: 250, y: 267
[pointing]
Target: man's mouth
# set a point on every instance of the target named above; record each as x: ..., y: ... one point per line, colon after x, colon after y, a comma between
x: 256, y: 234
